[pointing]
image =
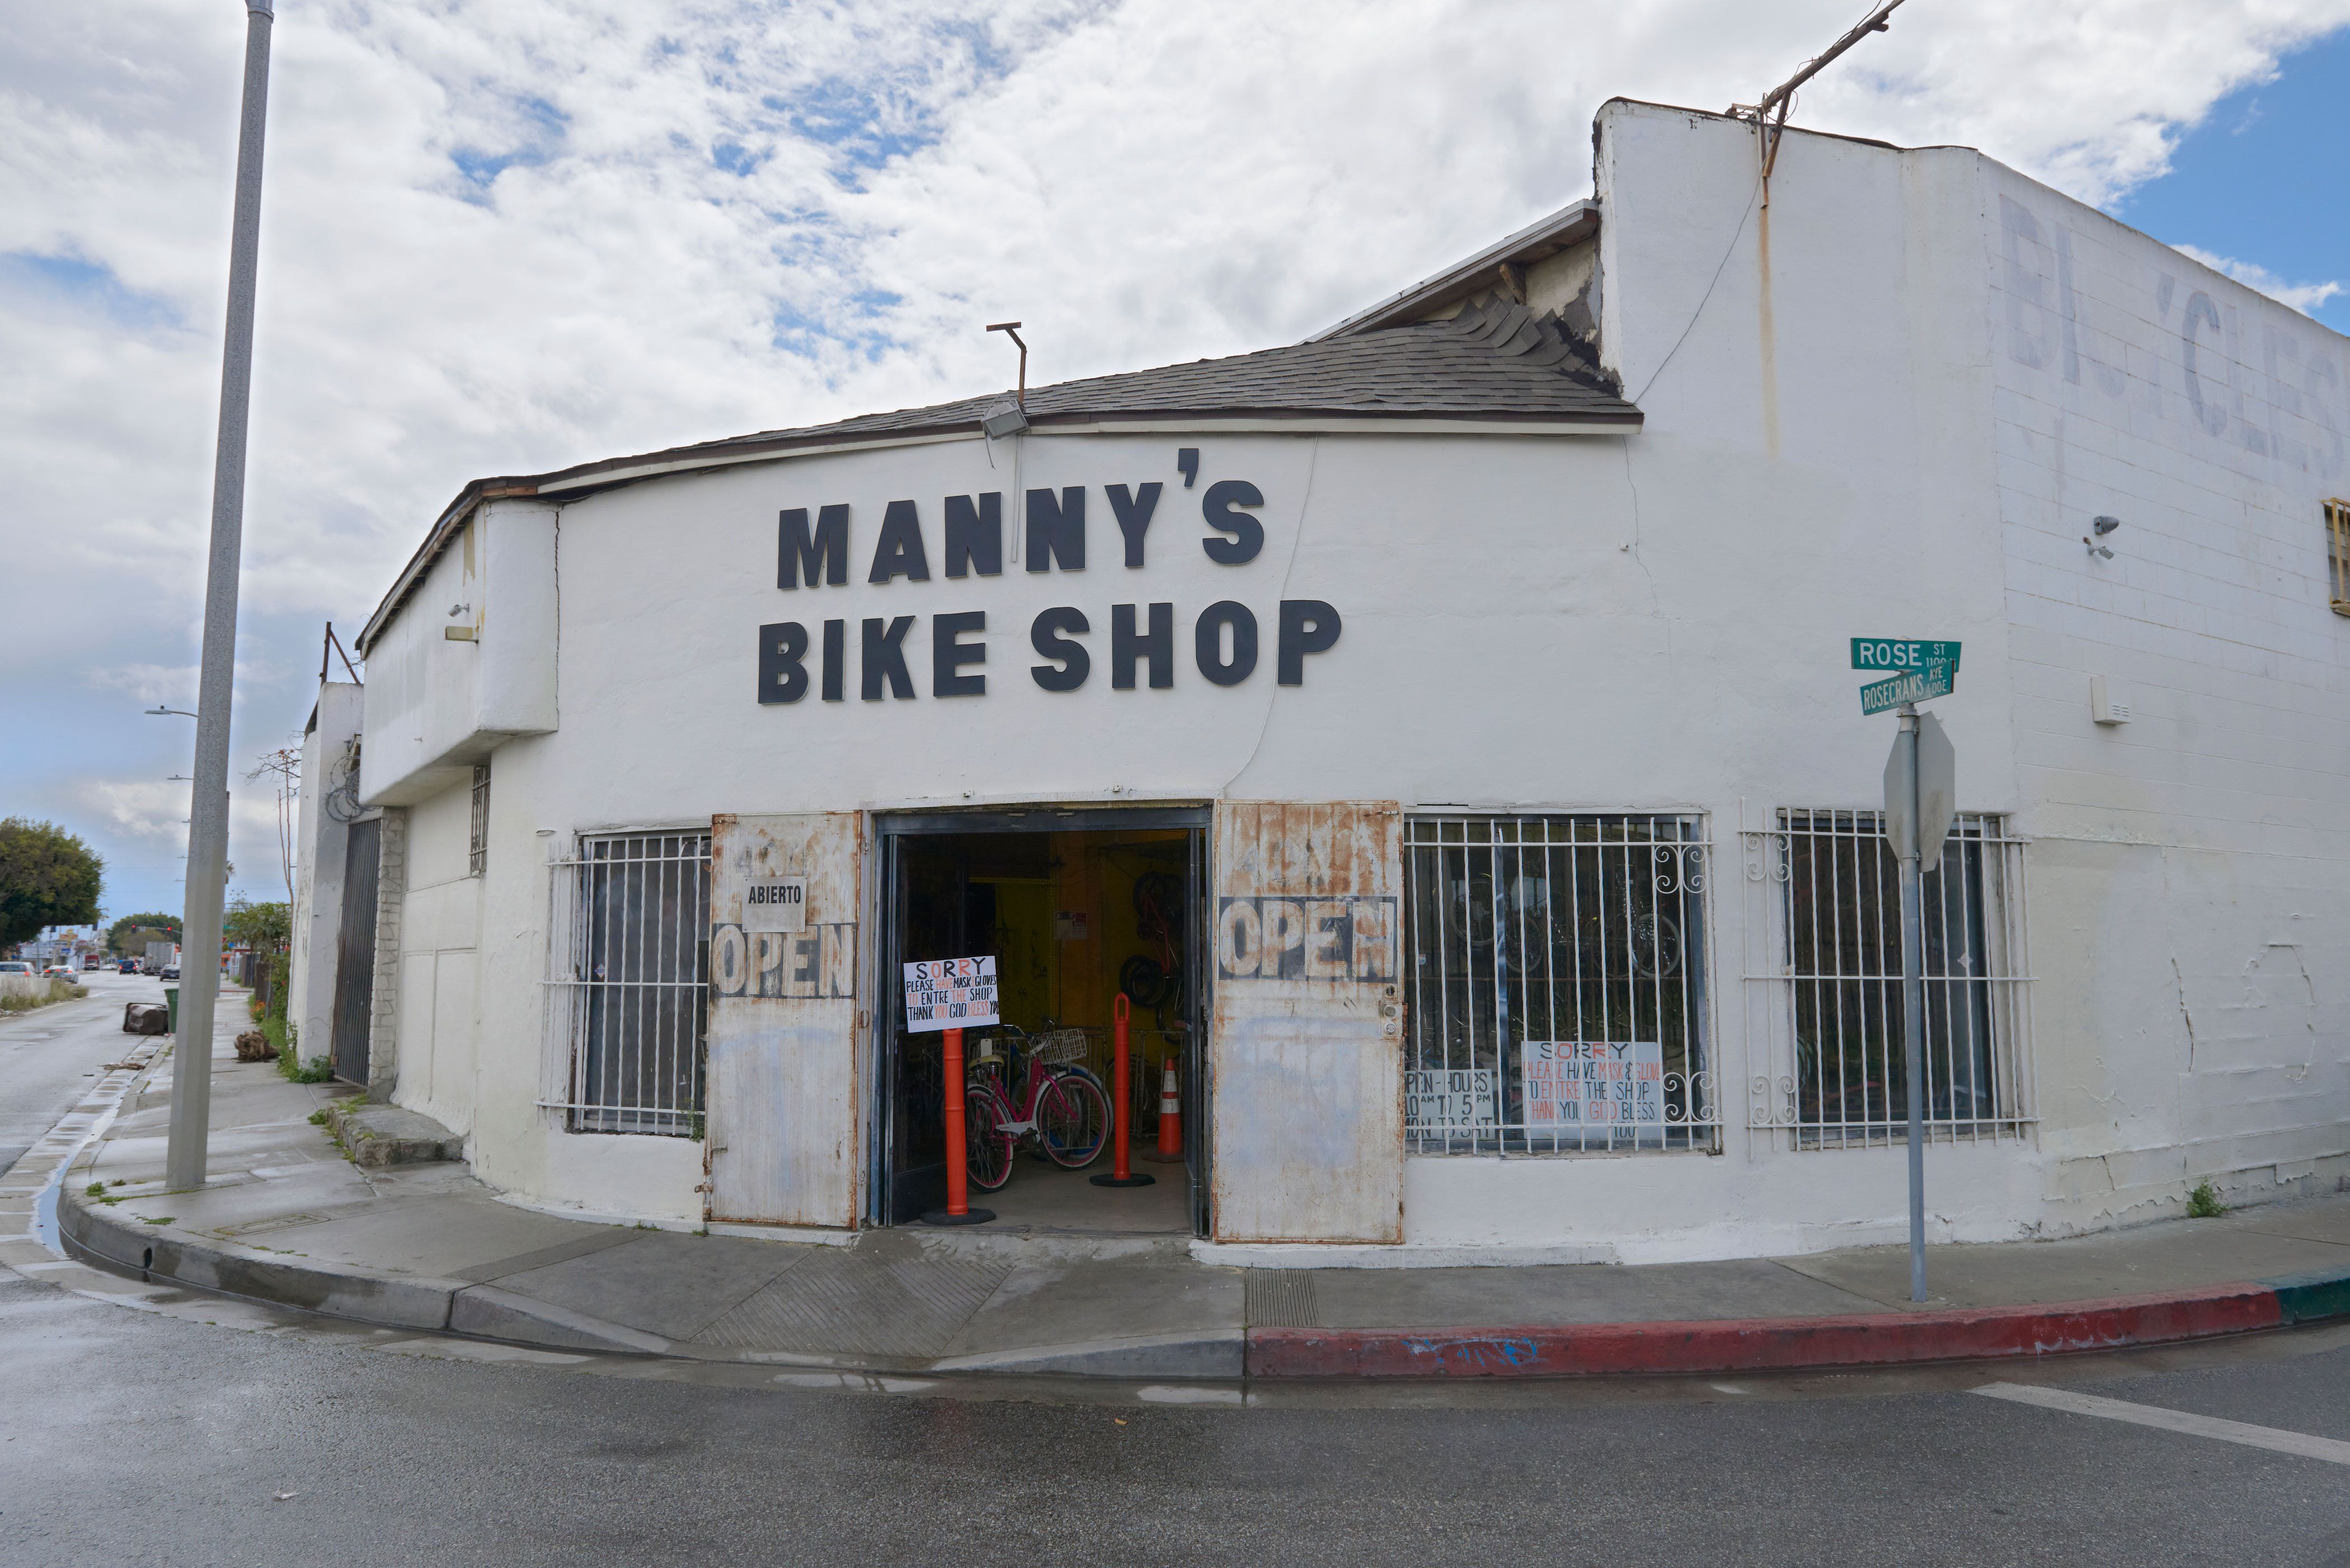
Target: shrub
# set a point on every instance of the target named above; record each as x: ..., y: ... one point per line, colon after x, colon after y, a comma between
x: 2203, y: 1203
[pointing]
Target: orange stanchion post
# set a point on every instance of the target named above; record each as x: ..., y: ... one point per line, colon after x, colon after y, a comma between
x: 958, y: 1211
x: 1122, y: 1078
x: 958, y: 1152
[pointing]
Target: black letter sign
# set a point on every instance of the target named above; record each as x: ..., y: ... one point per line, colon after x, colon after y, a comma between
x: 1050, y: 637
x: 1307, y: 626
x: 799, y: 551
x: 899, y: 552
x: 1057, y: 529
x: 1158, y: 646
x: 975, y: 536
x: 1247, y: 533
x: 1207, y: 642
x: 781, y: 677
x: 885, y: 660
x: 1134, y: 517
x: 948, y: 657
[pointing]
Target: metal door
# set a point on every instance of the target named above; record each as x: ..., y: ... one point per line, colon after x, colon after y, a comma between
x: 783, y: 1055
x: 1305, y: 1035
x: 355, y: 952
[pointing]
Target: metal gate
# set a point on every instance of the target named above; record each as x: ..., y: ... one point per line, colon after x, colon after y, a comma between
x: 355, y: 952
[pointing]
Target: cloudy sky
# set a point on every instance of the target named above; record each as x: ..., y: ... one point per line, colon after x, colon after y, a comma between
x: 505, y: 236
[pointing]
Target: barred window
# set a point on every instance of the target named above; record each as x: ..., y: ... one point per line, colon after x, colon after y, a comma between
x: 1554, y: 972
x: 2337, y: 554
x: 1829, y: 996
x: 481, y: 842
x: 628, y: 995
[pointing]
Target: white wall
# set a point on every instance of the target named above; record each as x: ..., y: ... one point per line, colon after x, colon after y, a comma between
x: 440, y: 938
x: 2191, y: 886
x: 435, y: 706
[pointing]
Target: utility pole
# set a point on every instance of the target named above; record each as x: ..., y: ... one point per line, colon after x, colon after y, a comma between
x: 191, y: 1083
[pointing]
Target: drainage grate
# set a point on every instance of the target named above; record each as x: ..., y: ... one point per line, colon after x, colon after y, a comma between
x: 1281, y: 1298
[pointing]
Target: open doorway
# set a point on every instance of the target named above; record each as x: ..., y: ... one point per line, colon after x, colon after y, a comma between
x: 1076, y: 907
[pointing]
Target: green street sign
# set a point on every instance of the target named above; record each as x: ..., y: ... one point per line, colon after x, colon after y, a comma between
x: 1915, y: 686
x: 1891, y: 655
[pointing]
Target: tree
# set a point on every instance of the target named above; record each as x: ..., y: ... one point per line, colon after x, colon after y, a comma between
x: 130, y: 934
x: 264, y: 928
x: 47, y: 878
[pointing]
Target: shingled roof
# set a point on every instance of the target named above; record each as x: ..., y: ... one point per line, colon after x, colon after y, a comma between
x: 1497, y: 369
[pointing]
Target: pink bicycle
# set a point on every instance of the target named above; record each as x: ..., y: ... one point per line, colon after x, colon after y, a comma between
x: 1033, y: 1092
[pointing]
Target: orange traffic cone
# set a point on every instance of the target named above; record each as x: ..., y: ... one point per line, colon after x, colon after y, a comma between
x: 1171, y: 1117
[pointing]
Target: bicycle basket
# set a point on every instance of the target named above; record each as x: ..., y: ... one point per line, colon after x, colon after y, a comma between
x: 1059, y: 1047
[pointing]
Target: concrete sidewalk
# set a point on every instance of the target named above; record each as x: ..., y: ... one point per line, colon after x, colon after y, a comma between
x: 288, y: 1218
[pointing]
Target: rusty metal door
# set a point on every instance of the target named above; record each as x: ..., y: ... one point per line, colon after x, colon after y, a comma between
x: 782, y: 1076
x: 1306, y: 1042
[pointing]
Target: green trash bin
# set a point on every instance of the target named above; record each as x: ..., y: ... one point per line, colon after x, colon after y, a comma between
x: 171, y: 1001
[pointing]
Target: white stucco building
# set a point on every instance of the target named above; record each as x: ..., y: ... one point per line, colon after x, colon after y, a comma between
x: 1403, y: 717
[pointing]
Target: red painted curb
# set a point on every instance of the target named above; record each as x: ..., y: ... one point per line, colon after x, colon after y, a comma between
x: 1754, y: 1345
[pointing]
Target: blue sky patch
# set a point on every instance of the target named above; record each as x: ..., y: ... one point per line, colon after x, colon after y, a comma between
x: 89, y: 284
x: 2265, y: 179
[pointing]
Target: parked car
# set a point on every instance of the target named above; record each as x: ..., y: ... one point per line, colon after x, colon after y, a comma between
x: 171, y: 971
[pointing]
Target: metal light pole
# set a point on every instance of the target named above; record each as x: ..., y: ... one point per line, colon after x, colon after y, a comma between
x: 1913, y: 992
x: 200, y: 926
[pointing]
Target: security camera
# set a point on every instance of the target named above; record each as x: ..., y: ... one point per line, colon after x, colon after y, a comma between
x: 2105, y: 525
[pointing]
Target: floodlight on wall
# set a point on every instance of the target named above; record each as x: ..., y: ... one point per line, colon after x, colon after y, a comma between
x: 1004, y: 422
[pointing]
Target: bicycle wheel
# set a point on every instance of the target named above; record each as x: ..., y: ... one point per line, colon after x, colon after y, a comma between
x: 1072, y: 1120
x: 987, y: 1147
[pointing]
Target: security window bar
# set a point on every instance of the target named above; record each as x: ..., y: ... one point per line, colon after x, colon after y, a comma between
x: 2337, y: 554
x: 480, y: 848
x: 1555, y: 974
x: 1829, y: 1009
x: 628, y: 1000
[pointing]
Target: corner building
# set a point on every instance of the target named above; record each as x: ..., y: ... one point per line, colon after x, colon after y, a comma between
x: 1442, y: 731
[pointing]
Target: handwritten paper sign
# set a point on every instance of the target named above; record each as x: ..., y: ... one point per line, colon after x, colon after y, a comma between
x: 950, y: 993
x: 1443, y: 1099
x: 1576, y: 1084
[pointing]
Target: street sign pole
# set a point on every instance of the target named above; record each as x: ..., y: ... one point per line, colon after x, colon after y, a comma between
x: 1913, y: 989
x: 200, y: 926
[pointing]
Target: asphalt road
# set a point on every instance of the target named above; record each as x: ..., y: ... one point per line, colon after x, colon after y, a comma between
x: 48, y: 1056
x: 132, y: 1437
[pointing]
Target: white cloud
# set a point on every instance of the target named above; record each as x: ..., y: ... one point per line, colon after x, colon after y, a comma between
x: 2302, y: 296
x: 502, y: 236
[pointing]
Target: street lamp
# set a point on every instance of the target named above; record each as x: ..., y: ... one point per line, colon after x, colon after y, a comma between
x: 199, y: 925
x: 183, y: 712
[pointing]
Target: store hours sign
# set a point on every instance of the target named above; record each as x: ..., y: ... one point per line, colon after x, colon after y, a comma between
x: 890, y: 657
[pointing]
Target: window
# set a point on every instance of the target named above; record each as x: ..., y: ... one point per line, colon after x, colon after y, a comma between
x: 2337, y: 554
x: 627, y: 1012
x: 1555, y: 983
x: 480, y: 843
x: 1826, y: 1004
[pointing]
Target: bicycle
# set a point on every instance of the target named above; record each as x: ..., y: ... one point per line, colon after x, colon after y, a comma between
x: 1060, y: 1106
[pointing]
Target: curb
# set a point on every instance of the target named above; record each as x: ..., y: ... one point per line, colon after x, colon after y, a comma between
x: 1761, y: 1344
x: 483, y: 1311
x: 476, y: 1310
